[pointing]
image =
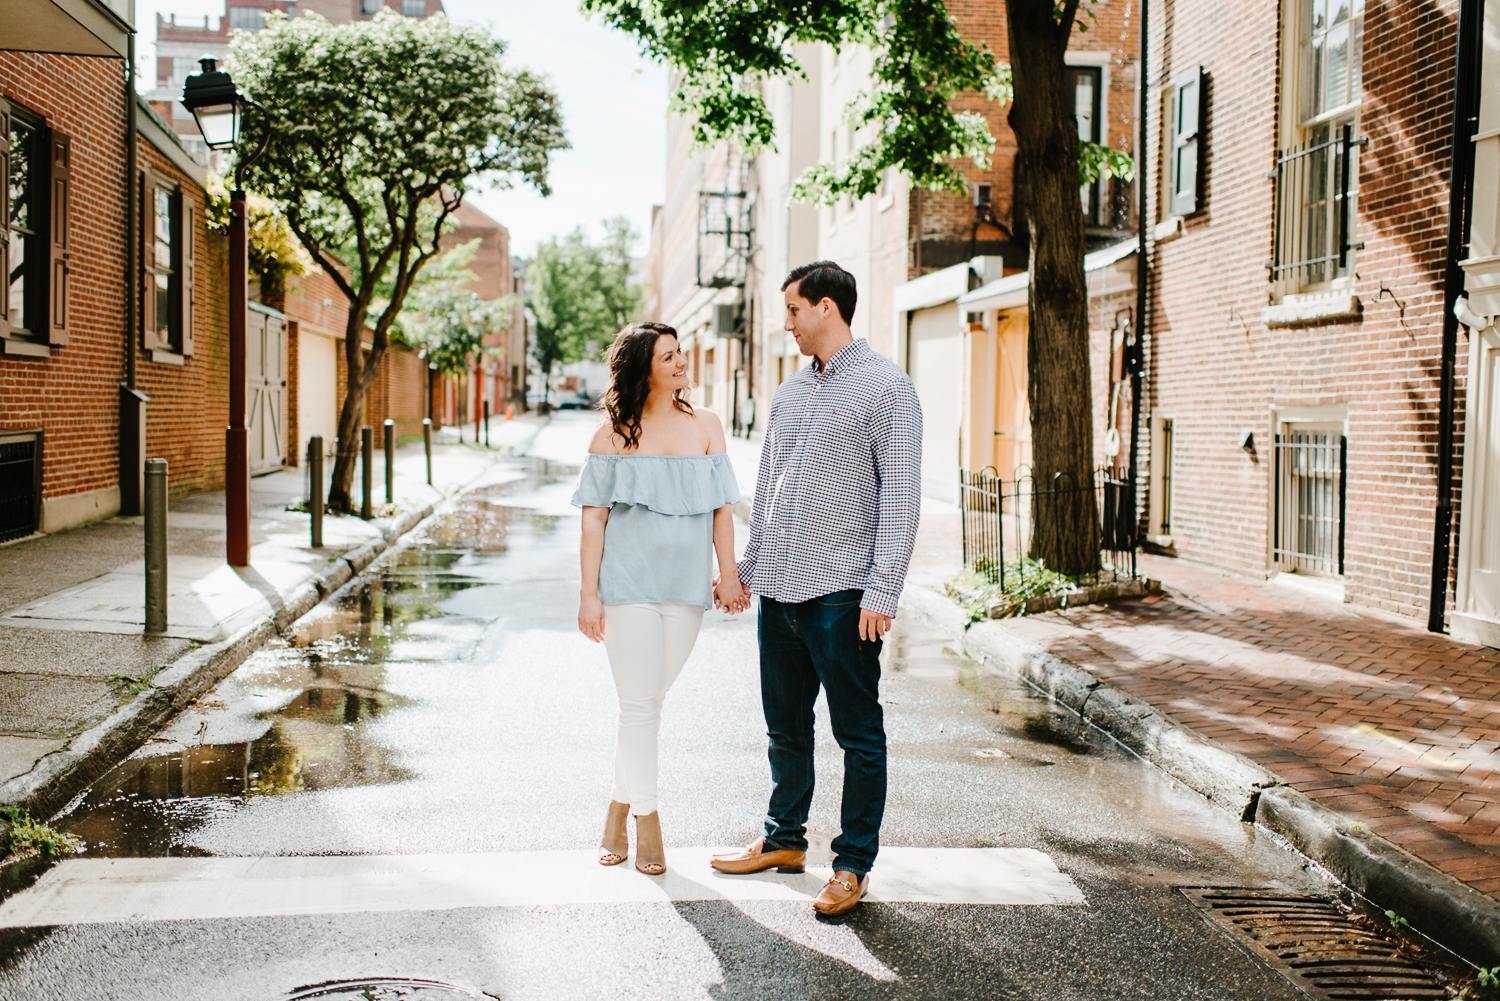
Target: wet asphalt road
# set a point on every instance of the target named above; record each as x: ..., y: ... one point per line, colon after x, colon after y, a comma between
x: 445, y: 703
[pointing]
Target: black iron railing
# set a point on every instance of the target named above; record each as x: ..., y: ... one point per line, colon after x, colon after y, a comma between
x: 999, y: 518
x: 1314, y: 210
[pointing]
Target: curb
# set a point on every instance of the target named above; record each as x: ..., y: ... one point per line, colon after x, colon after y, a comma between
x: 60, y: 776
x: 1439, y: 906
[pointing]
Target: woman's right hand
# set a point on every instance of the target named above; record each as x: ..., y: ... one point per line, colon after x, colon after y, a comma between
x: 591, y: 617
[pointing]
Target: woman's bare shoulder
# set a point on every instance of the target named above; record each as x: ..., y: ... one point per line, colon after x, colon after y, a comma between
x: 712, y: 428
x: 605, y: 441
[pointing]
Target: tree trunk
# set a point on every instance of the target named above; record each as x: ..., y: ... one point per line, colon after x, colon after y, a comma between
x: 1065, y: 524
x: 362, y: 372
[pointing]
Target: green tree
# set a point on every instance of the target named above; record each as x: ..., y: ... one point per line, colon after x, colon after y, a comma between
x: 723, y: 50
x: 377, y: 129
x: 580, y: 294
x: 444, y: 320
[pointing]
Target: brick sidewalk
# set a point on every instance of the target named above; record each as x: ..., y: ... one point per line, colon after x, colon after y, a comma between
x: 1389, y: 725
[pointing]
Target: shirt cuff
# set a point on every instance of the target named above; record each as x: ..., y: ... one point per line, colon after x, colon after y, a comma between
x: 880, y: 603
x: 746, y: 570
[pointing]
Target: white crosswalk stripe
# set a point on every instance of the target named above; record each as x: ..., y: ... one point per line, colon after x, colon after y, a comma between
x: 93, y: 891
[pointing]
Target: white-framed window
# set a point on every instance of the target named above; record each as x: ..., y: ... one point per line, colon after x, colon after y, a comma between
x: 247, y: 18
x: 414, y: 8
x: 371, y: 6
x: 1318, y: 171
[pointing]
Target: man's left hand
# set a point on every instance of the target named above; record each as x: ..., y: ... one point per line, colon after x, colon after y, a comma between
x: 873, y: 625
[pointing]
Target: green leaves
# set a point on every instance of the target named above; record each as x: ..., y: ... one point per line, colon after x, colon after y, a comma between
x: 580, y: 293
x: 1096, y: 161
x: 378, y: 126
x: 723, y: 51
x: 444, y: 321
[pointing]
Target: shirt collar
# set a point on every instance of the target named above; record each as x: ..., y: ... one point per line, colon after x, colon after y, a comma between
x: 843, y: 357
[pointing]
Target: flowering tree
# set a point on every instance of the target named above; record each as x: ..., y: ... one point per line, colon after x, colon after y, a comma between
x: 378, y: 128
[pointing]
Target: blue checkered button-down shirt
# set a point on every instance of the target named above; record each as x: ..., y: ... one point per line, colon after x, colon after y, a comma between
x: 839, y: 490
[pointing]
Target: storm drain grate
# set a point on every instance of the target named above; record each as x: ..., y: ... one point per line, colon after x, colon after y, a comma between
x: 383, y: 989
x: 1314, y: 944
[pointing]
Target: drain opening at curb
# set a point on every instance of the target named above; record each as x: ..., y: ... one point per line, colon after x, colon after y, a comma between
x: 1316, y: 945
x: 382, y: 989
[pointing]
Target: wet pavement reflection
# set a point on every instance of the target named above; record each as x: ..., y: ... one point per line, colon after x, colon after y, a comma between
x: 306, y: 707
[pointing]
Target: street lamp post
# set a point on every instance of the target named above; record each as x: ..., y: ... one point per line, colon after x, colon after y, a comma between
x: 219, y: 108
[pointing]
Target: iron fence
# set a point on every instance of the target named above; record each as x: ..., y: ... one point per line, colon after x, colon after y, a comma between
x: 1000, y: 517
x: 1308, y: 521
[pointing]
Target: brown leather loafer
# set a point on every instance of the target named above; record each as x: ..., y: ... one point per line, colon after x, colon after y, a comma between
x: 755, y: 858
x: 841, y: 894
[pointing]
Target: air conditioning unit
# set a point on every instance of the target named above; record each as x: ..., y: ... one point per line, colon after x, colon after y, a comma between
x: 727, y: 319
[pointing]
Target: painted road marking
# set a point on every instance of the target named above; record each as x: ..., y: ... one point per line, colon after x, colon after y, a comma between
x: 93, y: 891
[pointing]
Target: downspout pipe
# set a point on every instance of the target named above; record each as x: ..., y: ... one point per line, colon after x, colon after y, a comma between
x: 132, y: 423
x: 1135, y: 357
x: 1465, y: 114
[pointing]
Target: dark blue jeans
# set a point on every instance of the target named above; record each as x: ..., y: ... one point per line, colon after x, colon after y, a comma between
x: 803, y: 646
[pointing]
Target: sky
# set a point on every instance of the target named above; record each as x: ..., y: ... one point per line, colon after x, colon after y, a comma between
x: 613, y: 105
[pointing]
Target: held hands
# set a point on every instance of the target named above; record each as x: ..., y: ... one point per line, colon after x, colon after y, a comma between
x: 591, y: 617
x: 730, y: 594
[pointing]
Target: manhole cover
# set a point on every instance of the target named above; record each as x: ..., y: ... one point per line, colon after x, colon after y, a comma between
x: 384, y: 989
x: 1314, y: 944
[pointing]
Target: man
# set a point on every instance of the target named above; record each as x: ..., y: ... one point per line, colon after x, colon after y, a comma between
x: 831, y: 534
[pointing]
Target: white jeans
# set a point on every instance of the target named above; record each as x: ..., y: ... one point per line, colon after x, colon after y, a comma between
x: 647, y: 645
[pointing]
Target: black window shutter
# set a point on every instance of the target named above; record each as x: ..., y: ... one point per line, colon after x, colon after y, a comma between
x: 59, y: 204
x: 188, y: 217
x: 1188, y: 118
x: 148, y: 260
x: 5, y: 218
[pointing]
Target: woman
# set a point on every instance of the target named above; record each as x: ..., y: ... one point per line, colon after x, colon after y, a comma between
x: 656, y: 493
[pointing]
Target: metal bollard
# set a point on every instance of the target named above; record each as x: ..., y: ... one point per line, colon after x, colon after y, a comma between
x: 367, y: 471
x: 486, y: 423
x: 390, y: 461
x: 427, y: 444
x: 315, y: 496
x: 156, y: 545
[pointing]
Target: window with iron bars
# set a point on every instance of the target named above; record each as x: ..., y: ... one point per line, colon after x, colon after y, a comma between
x: 1308, y: 519
x: 1315, y: 207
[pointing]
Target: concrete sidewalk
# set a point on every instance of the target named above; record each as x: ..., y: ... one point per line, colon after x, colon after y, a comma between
x: 1369, y: 744
x: 81, y: 684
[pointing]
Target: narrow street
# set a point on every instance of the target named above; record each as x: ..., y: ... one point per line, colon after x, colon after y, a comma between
x: 444, y: 705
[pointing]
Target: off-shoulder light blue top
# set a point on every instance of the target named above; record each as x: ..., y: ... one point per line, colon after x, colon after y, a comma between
x: 658, y: 542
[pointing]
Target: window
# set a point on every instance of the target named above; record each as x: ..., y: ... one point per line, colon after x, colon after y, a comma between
x: 1185, y: 120
x: 247, y: 18
x: 167, y: 267
x: 371, y: 6
x: 35, y: 166
x: 1086, y: 82
x: 25, y: 242
x: 414, y: 8
x: 1308, y: 520
x: 1317, y: 174
x: 168, y: 275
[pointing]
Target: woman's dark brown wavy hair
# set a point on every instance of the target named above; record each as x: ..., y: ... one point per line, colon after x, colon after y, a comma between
x: 630, y: 359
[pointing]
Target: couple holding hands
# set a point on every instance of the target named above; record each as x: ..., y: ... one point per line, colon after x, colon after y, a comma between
x: 831, y: 533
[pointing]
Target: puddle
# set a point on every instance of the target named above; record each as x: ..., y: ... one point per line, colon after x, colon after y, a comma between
x: 310, y: 711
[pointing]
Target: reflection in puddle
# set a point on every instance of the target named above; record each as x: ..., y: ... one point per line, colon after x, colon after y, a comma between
x: 308, y: 712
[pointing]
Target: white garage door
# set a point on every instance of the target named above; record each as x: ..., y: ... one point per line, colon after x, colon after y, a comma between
x: 937, y: 370
x: 317, y: 388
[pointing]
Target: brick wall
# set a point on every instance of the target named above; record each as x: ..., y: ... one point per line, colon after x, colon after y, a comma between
x: 1218, y: 369
x: 189, y: 407
x: 73, y: 395
x: 944, y: 222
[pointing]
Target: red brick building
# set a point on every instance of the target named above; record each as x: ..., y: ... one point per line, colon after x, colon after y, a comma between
x: 95, y: 313
x: 1299, y: 196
